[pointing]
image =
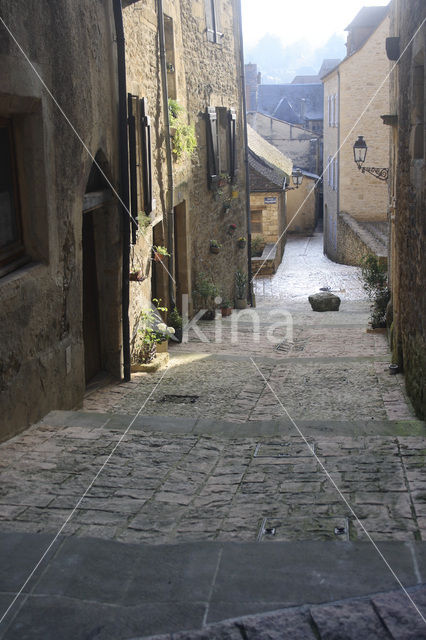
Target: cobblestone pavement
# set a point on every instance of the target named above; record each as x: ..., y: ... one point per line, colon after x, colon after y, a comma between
x: 213, y: 457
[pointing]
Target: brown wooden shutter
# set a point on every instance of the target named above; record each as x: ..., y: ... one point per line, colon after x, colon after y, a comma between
x: 146, y: 157
x: 232, y: 117
x: 132, y: 162
x: 212, y: 144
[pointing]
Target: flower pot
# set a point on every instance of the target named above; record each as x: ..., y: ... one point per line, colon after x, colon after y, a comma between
x: 158, y: 257
x: 226, y: 312
x: 137, y: 276
x: 214, y: 249
x: 241, y: 244
x: 241, y: 303
x: 231, y: 231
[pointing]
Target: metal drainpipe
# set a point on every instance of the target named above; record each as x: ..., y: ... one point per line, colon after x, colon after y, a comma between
x: 170, y: 185
x: 338, y: 141
x: 246, y: 161
x: 124, y: 181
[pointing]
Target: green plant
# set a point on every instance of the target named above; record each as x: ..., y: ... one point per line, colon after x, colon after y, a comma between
x: 214, y: 243
x: 375, y: 276
x: 175, y: 319
x: 143, y: 221
x: 162, y: 251
x: 257, y: 245
x: 242, y: 239
x: 184, y: 140
x: 225, y: 304
x: 205, y: 292
x: 241, y: 281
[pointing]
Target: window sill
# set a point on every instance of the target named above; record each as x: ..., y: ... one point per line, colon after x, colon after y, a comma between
x: 19, y: 269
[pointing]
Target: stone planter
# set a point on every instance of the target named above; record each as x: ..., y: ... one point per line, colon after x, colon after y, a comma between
x: 241, y: 303
x: 163, y: 347
x: 159, y: 361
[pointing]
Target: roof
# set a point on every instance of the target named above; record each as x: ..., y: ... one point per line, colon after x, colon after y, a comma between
x: 294, y: 103
x: 268, y: 153
x: 328, y: 65
x: 308, y: 174
x: 305, y: 79
x: 263, y: 176
x: 368, y: 17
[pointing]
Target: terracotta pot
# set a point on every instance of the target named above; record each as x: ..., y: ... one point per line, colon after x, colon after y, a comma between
x: 158, y: 257
x: 137, y: 276
x: 214, y: 249
x: 226, y: 312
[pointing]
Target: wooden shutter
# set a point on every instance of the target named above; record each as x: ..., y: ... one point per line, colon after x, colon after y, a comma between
x: 209, y: 21
x: 256, y: 221
x: 232, y: 116
x: 212, y: 144
x: 132, y: 162
x: 146, y: 156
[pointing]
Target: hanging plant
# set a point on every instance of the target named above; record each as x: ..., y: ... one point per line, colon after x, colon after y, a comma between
x: 160, y: 253
x: 241, y: 242
x: 214, y: 246
x: 184, y: 141
x: 231, y: 229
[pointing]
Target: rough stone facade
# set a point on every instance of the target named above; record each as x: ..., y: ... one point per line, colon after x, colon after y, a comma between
x: 408, y: 191
x: 356, y: 94
x: 205, y: 74
x: 303, y: 147
x: 42, y: 321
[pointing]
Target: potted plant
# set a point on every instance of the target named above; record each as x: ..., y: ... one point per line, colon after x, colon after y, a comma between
x: 231, y: 229
x: 257, y: 245
x: 241, y: 242
x: 214, y: 246
x: 205, y: 293
x: 137, y: 275
x: 241, y: 286
x: 145, y: 343
x: 160, y: 253
x: 225, y: 308
x: 175, y: 320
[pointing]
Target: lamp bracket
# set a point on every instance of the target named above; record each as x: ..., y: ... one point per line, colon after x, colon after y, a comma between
x: 381, y: 173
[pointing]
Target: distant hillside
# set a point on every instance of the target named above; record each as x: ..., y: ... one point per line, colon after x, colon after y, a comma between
x: 279, y: 64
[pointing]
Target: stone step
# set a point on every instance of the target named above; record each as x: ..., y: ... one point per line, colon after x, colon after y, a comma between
x: 88, y: 587
x: 221, y: 428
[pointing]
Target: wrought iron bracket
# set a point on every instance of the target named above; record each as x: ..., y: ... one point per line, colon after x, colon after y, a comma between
x: 381, y: 173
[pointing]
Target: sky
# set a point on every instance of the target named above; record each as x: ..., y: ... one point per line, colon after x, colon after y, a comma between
x: 312, y: 20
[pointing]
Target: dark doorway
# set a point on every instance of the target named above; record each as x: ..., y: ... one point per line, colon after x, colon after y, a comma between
x: 91, y: 324
x: 182, y: 268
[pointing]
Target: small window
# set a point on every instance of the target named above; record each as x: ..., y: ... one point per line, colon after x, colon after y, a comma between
x: 256, y: 221
x: 214, y: 33
x: 11, y: 245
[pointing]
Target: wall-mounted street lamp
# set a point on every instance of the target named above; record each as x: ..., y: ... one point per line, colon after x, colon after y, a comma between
x: 360, y: 154
x: 297, y: 177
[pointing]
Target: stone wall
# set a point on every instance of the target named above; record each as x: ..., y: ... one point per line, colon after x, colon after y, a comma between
x: 364, y: 97
x: 298, y: 144
x: 330, y: 164
x: 301, y: 208
x: 354, y: 242
x: 408, y: 191
x: 41, y: 318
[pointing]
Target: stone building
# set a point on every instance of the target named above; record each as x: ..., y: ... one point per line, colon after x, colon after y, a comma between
x: 270, y: 172
x: 62, y: 231
x: 407, y: 51
x: 303, y: 205
x: 187, y: 55
x: 356, y: 94
x: 95, y: 173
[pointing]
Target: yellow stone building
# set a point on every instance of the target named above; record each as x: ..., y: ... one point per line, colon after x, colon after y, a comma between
x: 356, y: 94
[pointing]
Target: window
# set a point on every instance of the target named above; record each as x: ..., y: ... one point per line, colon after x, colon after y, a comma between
x: 139, y: 159
x: 221, y: 142
x: 11, y: 245
x: 214, y: 33
x: 329, y: 110
x: 330, y: 171
x: 256, y: 221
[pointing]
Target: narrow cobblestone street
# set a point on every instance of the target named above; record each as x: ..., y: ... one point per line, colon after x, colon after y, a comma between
x: 214, y: 460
